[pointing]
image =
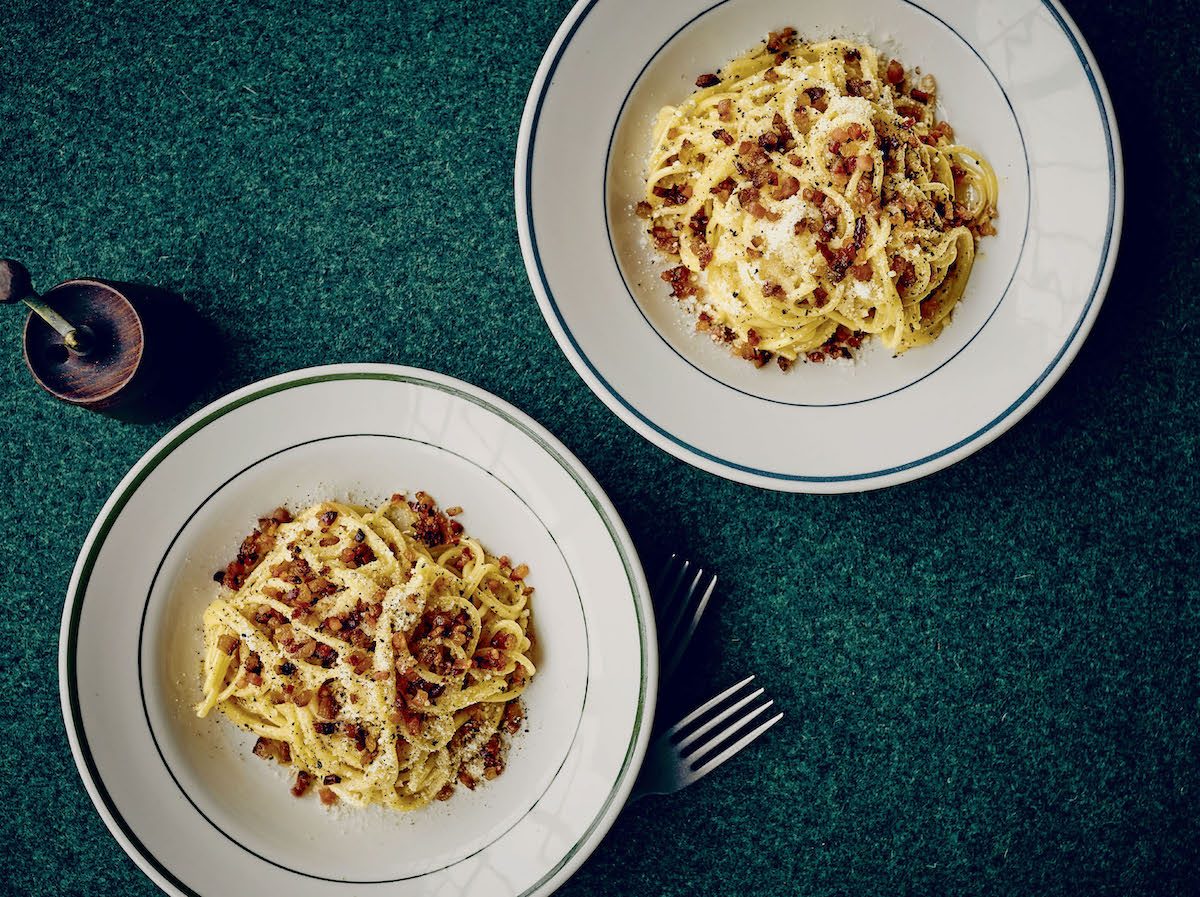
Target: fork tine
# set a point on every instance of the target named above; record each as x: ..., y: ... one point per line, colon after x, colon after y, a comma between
x: 679, y: 608
x: 716, y: 761
x: 680, y: 640
x: 683, y: 743
x: 662, y: 575
x: 666, y: 590
x: 707, y: 705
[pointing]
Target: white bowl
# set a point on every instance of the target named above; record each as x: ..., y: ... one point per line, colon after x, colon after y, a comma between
x: 185, y: 797
x: 1015, y: 80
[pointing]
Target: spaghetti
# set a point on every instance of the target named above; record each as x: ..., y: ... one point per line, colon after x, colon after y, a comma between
x: 810, y: 199
x: 379, y: 652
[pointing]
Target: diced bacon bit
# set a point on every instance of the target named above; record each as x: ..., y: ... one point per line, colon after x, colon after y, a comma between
x: 519, y: 573
x: 820, y: 297
x: 643, y: 209
x: 704, y: 253
x: 271, y: 749
x: 252, y: 663
x: 327, y: 518
x: 813, y: 195
x: 325, y: 656
x: 784, y: 137
x: 860, y: 232
x: 708, y: 80
x: 816, y: 96
x: 357, y: 555
x: 446, y: 793
x: 253, y: 549
x: 857, y: 87
x: 919, y: 95
x: 466, y: 779
x: 725, y: 109
x: 488, y: 659
x: 328, y: 798
x: 906, y: 274
x: 331, y: 779
x: 698, y: 224
x: 865, y: 162
x: 327, y: 705
x: 325, y: 728
x: 664, y: 240
x: 432, y: 527
x: 411, y: 722
x: 752, y: 337
x: 779, y: 41
x: 724, y: 189
x: 862, y: 272
x: 929, y: 308
x: 514, y: 717
x: 727, y: 335
x: 839, y: 260
x: 771, y: 75
x: 381, y: 675
x: 724, y: 136
x: 816, y: 356
x: 758, y: 356
x: 492, y: 755
x: 302, y: 697
x: 681, y: 280
x: 770, y: 289
x: 227, y: 643
x: 675, y: 195
x: 788, y: 187
x: 752, y: 153
x: 704, y: 321
x: 942, y: 129
x: 304, y: 781
x: 326, y: 541
x: 895, y: 72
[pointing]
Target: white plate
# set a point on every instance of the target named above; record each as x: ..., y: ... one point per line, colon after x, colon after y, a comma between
x: 1016, y: 81
x: 185, y: 797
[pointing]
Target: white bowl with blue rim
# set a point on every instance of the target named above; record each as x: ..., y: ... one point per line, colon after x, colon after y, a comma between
x: 1017, y: 82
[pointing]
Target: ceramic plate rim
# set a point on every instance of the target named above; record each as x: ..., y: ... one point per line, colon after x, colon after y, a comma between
x: 110, y: 511
x: 858, y: 481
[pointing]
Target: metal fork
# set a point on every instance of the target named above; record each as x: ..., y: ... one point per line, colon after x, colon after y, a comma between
x: 691, y: 749
x: 680, y: 595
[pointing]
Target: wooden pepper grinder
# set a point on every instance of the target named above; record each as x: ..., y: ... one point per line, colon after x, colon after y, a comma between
x: 102, y: 345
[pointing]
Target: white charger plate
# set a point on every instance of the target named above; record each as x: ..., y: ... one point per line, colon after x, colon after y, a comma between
x: 186, y: 799
x: 1017, y: 82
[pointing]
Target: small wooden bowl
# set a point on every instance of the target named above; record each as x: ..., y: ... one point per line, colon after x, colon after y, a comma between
x: 135, y: 329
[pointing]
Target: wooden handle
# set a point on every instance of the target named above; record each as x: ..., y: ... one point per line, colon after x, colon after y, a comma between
x: 15, y: 283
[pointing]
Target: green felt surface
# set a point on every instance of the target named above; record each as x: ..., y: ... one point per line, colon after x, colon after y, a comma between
x: 990, y: 675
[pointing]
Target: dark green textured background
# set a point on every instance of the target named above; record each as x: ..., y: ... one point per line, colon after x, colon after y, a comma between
x: 990, y: 675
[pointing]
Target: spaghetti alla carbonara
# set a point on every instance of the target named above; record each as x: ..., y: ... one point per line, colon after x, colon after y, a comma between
x: 380, y: 652
x: 809, y: 198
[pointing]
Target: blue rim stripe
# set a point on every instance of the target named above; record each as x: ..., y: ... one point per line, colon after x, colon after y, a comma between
x: 845, y: 478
